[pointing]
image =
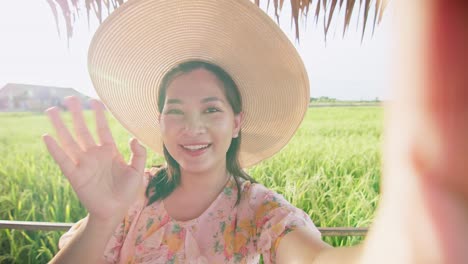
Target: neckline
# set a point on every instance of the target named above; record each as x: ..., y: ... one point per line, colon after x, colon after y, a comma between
x: 195, y: 220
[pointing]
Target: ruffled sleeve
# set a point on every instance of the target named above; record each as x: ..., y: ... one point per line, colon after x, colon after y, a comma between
x: 114, y: 245
x: 274, y: 218
x: 112, y: 251
x: 67, y: 236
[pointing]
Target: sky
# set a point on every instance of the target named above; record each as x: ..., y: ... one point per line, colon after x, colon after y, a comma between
x: 32, y: 52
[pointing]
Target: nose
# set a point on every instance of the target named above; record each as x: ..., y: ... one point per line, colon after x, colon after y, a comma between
x: 194, y: 125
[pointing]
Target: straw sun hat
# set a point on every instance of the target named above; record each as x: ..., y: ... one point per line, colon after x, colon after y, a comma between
x: 143, y: 39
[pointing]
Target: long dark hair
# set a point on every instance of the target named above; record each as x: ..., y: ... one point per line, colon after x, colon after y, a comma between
x: 167, y: 178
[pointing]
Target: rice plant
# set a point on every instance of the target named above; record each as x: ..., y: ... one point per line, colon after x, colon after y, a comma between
x: 330, y: 169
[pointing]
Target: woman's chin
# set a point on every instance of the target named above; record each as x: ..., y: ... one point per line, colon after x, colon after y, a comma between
x: 197, y: 167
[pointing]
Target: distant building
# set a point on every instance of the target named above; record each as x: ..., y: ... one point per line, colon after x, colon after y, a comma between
x: 35, y: 98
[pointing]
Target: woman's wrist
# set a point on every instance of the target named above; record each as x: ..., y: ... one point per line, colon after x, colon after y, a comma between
x: 89, y: 242
x: 100, y: 224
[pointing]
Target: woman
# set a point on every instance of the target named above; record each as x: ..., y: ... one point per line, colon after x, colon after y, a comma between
x: 201, y: 207
x: 212, y: 104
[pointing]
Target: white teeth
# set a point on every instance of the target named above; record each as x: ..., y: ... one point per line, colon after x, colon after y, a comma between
x: 195, y: 147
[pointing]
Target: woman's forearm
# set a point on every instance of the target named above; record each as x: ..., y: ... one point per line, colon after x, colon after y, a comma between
x: 339, y: 255
x: 89, y: 242
x: 304, y: 246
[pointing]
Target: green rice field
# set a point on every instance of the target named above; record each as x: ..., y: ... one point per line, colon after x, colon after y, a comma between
x: 330, y: 169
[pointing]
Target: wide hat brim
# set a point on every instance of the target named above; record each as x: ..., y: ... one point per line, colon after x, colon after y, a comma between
x: 143, y: 39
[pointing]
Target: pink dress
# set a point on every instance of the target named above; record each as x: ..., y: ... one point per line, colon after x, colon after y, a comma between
x: 224, y: 233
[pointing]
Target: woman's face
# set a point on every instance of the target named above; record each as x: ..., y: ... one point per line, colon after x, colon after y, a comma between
x: 197, y: 121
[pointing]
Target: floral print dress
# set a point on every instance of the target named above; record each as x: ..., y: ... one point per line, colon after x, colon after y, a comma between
x: 224, y: 233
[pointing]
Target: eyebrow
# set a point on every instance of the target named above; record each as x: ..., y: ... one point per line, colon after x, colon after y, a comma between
x: 174, y: 101
x: 205, y: 100
x: 211, y: 99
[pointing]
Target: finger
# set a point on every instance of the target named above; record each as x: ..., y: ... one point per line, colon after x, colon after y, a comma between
x: 445, y: 100
x: 61, y: 158
x: 83, y: 135
x: 426, y: 123
x: 102, y: 126
x: 66, y: 140
x: 138, y: 158
x: 432, y: 96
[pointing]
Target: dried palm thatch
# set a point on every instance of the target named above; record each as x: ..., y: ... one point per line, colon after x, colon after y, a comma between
x: 299, y: 8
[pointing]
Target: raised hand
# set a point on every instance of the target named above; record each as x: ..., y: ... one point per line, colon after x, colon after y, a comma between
x: 105, y: 184
x: 423, y: 217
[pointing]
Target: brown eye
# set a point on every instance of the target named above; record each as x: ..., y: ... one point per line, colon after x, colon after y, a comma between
x: 212, y: 110
x: 174, y: 112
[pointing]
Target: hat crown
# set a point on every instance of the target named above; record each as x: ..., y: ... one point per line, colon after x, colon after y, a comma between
x: 143, y: 39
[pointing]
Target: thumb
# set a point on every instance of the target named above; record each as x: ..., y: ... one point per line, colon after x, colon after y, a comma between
x: 138, y: 157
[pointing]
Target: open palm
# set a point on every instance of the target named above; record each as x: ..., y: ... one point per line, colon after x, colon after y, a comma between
x: 103, y: 181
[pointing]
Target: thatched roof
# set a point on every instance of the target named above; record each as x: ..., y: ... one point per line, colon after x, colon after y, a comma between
x: 299, y: 8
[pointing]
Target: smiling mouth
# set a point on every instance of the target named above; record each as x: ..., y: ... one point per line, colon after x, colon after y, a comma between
x: 195, y: 147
